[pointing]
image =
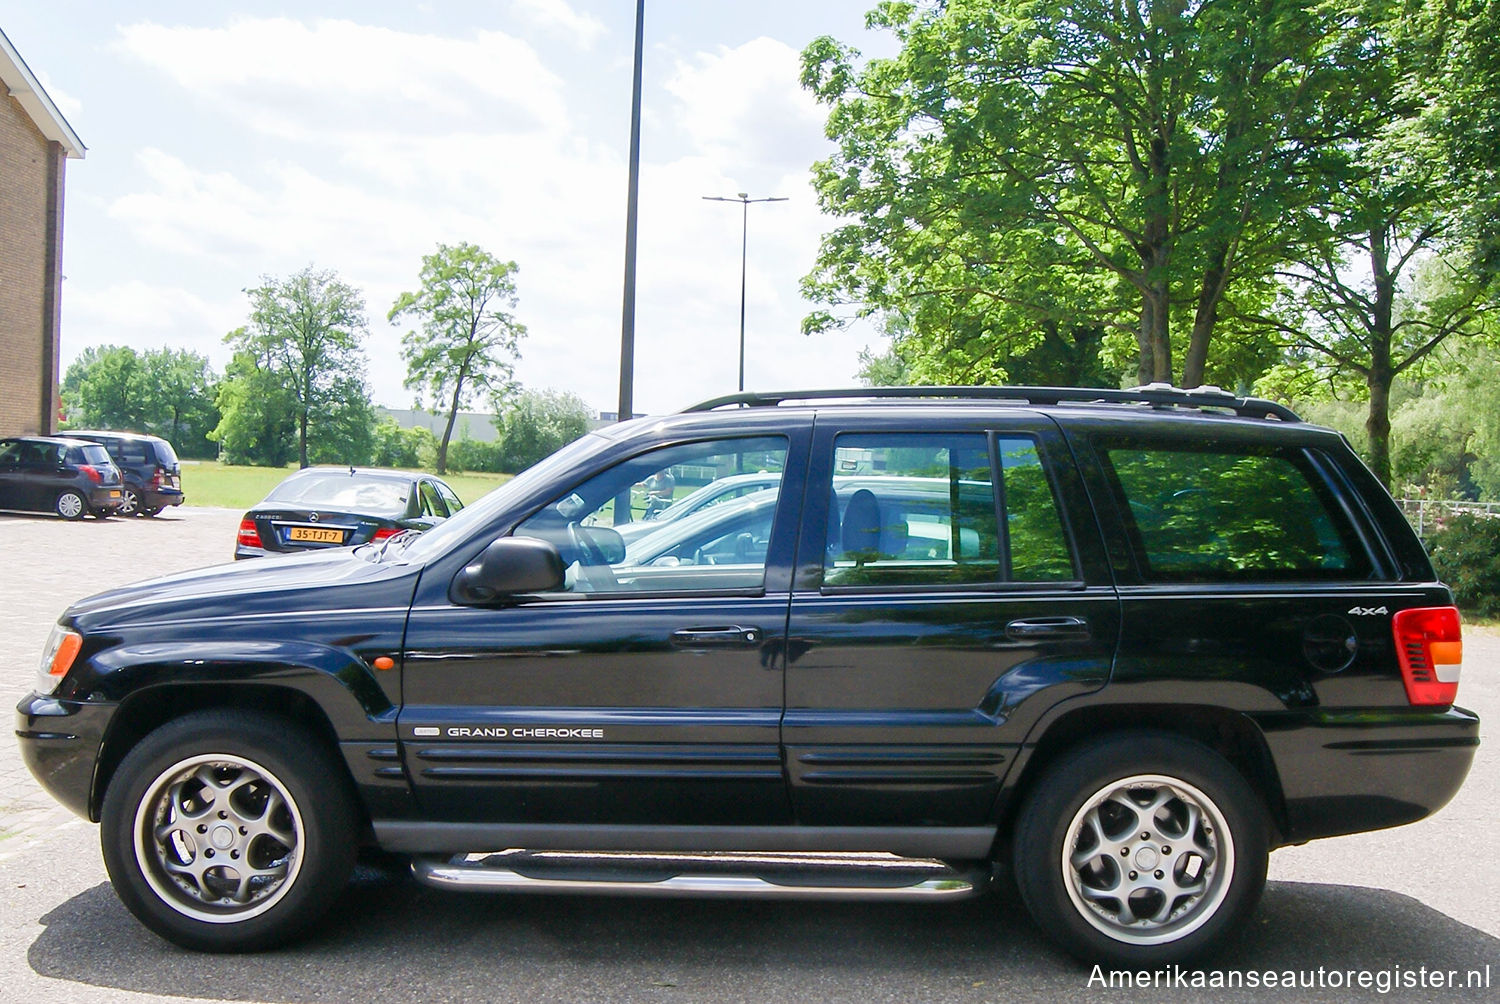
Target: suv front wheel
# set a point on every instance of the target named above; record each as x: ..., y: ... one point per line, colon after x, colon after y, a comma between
x: 1141, y: 849
x: 228, y: 831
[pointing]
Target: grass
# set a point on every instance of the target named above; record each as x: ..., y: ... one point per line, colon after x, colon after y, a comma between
x: 210, y: 483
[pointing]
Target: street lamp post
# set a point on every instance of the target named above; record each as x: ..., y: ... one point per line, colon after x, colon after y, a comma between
x: 744, y: 200
x: 632, y: 196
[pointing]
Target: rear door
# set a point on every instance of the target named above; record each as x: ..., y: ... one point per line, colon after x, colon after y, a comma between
x: 941, y: 606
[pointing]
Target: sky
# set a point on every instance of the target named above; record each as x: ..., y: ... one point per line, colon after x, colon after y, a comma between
x: 228, y: 142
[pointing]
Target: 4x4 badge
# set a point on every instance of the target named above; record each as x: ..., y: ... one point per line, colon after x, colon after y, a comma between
x: 1368, y: 611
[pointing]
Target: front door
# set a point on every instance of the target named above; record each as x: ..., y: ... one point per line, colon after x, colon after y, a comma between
x: 649, y: 688
x: 946, y: 600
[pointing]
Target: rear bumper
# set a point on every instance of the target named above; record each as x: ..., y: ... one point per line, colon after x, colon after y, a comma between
x: 60, y: 743
x: 1357, y: 770
x: 160, y: 498
x: 99, y: 499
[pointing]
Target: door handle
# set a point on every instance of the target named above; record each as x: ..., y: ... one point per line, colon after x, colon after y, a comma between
x: 717, y: 637
x: 1048, y: 629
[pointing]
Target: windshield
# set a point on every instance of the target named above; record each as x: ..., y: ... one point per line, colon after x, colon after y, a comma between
x: 349, y: 492
x: 457, y: 527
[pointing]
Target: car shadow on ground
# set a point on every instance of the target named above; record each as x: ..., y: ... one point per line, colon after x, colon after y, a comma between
x: 389, y: 939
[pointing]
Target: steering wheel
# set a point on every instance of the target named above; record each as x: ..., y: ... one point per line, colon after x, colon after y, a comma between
x: 594, y: 572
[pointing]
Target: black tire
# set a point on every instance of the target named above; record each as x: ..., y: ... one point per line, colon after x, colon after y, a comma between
x: 1082, y: 835
x: 71, y: 505
x: 238, y: 787
x: 130, y: 502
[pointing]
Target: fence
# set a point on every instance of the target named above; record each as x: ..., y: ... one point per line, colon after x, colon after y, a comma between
x: 1423, y: 512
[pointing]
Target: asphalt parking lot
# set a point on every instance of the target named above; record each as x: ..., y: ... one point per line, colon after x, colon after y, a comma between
x: 1426, y: 895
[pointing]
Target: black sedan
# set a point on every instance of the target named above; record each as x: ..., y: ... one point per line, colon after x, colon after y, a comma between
x: 323, y: 507
x: 53, y: 474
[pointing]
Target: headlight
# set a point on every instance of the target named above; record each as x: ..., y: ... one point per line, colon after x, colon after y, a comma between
x: 57, y: 657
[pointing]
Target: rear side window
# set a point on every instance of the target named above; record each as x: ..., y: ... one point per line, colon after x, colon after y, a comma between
x: 132, y: 451
x: 165, y: 455
x: 95, y: 455
x: 921, y: 510
x: 1212, y: 515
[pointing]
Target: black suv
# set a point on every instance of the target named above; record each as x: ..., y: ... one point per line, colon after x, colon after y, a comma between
x: 1118, y: 643
x: 149, y: 465
x: 70, y: 477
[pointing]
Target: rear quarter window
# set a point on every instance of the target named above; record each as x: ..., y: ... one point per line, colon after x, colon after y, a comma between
x: 1218, y: 514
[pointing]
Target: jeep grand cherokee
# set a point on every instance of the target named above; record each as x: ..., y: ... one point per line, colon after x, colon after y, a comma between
x: 1118, y: 643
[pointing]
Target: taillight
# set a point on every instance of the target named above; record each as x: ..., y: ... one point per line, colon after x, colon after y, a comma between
x: 156, y: 478
x: 386, y: 531
x: 1430, y: 647
x: 249, y: 535
x: 91, y: 472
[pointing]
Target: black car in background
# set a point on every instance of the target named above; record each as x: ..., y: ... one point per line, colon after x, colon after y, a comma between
x: 340, y: 507
x: 148, y: 465
x: 70, y: 477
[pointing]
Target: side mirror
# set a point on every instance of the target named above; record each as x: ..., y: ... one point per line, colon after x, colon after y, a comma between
x: 509, y: 566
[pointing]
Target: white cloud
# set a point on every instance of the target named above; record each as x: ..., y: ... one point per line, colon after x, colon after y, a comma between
x: 146, y: 316
x: 557, y: 17
x: 66, y: 103
x: 744, y: 107
x: 366, y: 195
x: 325, y: 78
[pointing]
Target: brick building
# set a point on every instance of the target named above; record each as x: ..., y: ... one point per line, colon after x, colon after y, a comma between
x: 35, y: 143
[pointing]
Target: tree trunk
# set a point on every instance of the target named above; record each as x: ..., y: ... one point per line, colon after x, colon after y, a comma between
x: 1215, y: 280
x: 302, y: 439
x: 442, y: 455
x: 1382, y: 374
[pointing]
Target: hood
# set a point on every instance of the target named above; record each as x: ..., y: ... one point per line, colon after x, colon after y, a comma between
x: 335, y: 579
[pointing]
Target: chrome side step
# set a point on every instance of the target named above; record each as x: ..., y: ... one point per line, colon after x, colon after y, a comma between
x: 739, y: 875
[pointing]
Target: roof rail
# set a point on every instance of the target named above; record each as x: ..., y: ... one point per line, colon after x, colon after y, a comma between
x: 1156, y: 395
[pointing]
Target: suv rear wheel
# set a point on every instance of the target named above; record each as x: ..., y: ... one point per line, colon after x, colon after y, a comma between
x: 130, y: 502
x: 228, y: 831
x: 1142, y: 849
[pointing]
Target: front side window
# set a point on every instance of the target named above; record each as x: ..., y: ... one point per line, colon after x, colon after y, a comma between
x: 1231, y: 515
x: 612, y: 538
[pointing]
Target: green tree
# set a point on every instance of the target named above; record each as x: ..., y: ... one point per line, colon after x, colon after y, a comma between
x: 539, y: 423
x: 179, y: 398
x: 468, y: 338
x: 105, y: 388
x: 1027, y: 171
x: 304, y: 339
x: 395, y: 446
x: 1391, y: 278
x: 163, y: 392
x: 258, y: 420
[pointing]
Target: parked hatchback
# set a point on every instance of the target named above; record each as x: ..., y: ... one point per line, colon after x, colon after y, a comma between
x: 70, y: 477
x: 149, y: 467
x: 320, y: 507
x: 1120, y: 644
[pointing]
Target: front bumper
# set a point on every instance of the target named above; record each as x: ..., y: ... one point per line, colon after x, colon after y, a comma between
x: 1367, y: 769
x: 60, y: 744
